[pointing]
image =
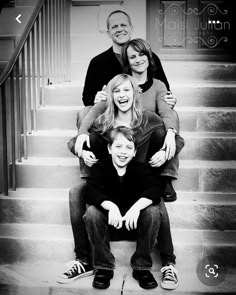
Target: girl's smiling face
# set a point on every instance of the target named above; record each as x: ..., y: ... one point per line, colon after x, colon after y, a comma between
x: 123, y: 96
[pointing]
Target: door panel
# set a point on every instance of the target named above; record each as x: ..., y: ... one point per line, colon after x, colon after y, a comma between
x: 189, y: 27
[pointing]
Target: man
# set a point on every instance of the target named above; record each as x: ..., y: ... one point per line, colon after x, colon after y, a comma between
x: 123, y: 196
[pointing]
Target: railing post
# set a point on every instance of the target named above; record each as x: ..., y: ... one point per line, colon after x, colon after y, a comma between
x: 13, y: 133
x: 4, y: 141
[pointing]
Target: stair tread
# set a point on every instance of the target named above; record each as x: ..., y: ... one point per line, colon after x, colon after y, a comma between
x: 63, y: 232
x: 62, y: 194
x: 205, y: 109
x: 66, y: 161
x: 73, y: 132
x: 43, y: 275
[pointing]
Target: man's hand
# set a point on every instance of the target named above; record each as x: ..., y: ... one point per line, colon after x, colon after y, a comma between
x: 81, y: 139
x: 158, y: 159
x: 101, y: 95
x: 131, y: 218
x: 170, y: 99
x: 114, y: 217
x: 89, y: 158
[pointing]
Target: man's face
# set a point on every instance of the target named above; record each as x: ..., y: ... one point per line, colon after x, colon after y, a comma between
x: 119, y: 29
x: 122, y: 151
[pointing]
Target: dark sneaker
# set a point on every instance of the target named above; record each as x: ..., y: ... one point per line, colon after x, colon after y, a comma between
x: 76, y: 269
x: 145, y: 279
x: 169, y: 192
x: 169, y: 277
x: 102, y: 278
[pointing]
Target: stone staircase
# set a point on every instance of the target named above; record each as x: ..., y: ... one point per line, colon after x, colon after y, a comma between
x: 35, y: 233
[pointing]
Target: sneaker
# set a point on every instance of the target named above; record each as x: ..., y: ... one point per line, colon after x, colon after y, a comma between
x: 76, y: 269
x: 169, y: 277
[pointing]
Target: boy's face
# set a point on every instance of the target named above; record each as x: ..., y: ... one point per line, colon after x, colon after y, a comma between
x: 122, y: 151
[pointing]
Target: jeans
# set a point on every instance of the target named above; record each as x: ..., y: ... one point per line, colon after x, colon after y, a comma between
x: 82, y: 247
x: 96, y: 222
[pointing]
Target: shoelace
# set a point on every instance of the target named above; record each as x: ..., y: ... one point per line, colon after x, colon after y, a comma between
x: 169, y: 273
x: 75, y: 266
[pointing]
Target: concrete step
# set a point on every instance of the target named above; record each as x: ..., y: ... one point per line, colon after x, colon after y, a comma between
x: 209, y: 146
x: 40, y: 278
x: 42, y: 243
x: 198, y: 145
x: 199, y: 71
x: 195, y: 175
x: 208, y: 94
x: 208, y: 211
x: 203, y: 119
x: 191, y: 118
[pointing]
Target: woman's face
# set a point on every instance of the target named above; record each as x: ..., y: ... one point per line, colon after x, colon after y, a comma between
x: 123, y: 96
x: 138, y: 61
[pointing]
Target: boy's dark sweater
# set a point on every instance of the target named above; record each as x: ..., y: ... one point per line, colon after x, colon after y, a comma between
x: 104, y: 183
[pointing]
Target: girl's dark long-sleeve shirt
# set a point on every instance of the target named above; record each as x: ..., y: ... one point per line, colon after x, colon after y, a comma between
x: 104, y: 184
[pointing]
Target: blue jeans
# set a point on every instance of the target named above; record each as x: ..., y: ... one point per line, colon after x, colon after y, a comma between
x: 96, y: 221
x: 82, y: 247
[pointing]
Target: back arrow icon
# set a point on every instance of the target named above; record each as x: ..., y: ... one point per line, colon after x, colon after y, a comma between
x: 18, y: 18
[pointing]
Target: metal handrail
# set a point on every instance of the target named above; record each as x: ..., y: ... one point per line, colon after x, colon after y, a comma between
x: 40, y: 58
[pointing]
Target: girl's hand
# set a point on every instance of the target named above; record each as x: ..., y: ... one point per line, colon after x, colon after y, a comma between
x: 131, y: 218
x: 101, y: 95
x: 158, y: 159
x: 89, y: 158
x: 81, y: 139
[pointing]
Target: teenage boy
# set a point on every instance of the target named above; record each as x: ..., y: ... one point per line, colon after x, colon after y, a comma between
x: 122, y: 194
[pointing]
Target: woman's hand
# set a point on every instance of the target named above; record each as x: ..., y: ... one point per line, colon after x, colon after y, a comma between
x: 131, y: 218
x: 101, y: 95
x: 170, y: 144
x: 158, y: 159
x: 89, y: 158
x: 170, y: 99
x: 81, y: 139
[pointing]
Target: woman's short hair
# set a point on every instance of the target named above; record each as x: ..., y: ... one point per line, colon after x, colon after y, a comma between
x: 142, y: 46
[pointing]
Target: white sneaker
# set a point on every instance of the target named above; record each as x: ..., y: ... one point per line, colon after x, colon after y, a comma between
x: 76, y: 269
x: 169, y: 279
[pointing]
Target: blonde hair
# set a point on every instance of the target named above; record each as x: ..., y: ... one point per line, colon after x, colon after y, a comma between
x: 105, y: 121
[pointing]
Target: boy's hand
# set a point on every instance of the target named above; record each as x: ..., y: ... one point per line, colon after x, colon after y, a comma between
x: 170, y: 99
x: 101, y: 95
x: 131, y: 218
x: 89, y: 158
x: 81, y: 139
x: 114, y: 217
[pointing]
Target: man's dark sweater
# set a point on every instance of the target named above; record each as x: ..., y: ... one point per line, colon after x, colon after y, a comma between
x: 104, y: 183
x: 103, y: 68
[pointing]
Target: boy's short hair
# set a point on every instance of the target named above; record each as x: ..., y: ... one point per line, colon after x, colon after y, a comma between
x: 118, y: 11
x: 128, y: 133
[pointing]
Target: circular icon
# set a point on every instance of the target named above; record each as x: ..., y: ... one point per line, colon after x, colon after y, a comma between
x: 211, y: 271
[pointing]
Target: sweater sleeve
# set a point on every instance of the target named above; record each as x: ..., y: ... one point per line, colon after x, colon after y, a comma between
x: 96, y: 186
x: 167, y: 114
x: 94, y: 112
x: 151, y: 186
x: 159, y: 73
x: 90, y: 87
